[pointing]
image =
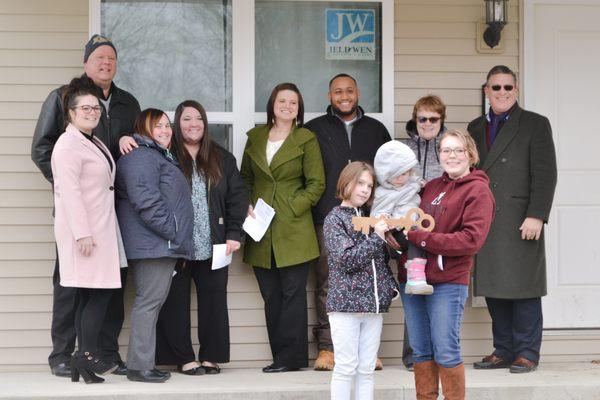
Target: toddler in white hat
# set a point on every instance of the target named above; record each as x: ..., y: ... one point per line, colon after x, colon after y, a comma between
x: 397, y: 193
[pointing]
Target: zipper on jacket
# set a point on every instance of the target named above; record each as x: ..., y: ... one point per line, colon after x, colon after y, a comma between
x: 375, y: 286
x: 176, y: 230
x: 425, y: 160
x: 212, y: 234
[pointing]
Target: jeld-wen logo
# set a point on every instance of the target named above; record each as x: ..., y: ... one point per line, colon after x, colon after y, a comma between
x: 350, y: 34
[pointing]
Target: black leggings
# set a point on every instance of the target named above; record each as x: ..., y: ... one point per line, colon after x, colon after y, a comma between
x: 89, y: 317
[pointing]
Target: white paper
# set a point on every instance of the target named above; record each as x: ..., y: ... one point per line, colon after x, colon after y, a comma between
x: 256, y: 227
x: 219, y: 257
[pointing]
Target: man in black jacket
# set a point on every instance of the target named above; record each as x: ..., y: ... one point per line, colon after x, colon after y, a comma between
x: 120, y: 110
x: 345, y: 134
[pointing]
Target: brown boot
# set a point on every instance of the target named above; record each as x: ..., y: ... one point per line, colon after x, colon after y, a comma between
x: 378, y: 364
x: 426, y: 380
x: 453, y: 382
x: 324, y: 361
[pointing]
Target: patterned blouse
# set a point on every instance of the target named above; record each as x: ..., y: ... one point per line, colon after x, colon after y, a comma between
x: 202, y: 238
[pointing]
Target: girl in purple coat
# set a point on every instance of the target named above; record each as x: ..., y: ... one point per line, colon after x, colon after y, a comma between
x: 361, y: 285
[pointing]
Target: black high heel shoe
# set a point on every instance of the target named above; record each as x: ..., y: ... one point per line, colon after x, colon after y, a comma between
x: 88, y: 376
x: 93, y: 364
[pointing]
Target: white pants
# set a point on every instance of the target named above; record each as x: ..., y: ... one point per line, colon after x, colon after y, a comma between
x: 355, y: 342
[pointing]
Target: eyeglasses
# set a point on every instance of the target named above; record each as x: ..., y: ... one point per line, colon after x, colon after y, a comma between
x: 508, y: 88
x: 433, y: 120
x: 458, y: 151
x: 88, y: 109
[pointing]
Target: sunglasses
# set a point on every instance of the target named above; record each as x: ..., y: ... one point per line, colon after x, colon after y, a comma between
x: 508, y: 88
x: 433, y: 120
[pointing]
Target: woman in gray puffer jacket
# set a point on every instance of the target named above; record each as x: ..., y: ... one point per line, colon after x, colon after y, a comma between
x: 424, y: 130
x: 156, y: 217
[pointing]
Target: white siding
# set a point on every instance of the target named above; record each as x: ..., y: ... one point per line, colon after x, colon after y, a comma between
x: 41, y: 47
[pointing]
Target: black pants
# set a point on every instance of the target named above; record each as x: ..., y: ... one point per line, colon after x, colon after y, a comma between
x: 64, y: 304
x: 517, y: 327
x: 89, y: 317
x: 284, y: 293
x: 173, y: 337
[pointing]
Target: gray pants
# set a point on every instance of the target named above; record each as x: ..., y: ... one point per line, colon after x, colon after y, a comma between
x: 152, y: 280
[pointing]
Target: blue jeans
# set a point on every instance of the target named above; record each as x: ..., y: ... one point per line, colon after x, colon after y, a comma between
x: 434, y: 323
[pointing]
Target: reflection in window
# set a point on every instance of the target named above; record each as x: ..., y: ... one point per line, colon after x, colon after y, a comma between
x: 304, y: 41
x: 221, y: 134
x: 170, y: 51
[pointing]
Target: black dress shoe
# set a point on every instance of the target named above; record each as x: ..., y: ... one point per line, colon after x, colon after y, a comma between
x: 275, y: 368
x: 191, y: 371
x: 162, y: 373
x: 491, y: 362
x: 121, y: 368
x: 212, y: 370
x: 150, y: 376
x: 62, y: 369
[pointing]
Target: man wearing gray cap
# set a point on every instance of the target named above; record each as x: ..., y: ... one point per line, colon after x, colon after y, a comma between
x: 119, y: 112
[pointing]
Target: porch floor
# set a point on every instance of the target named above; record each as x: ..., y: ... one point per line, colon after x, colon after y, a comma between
x: 551, y: 381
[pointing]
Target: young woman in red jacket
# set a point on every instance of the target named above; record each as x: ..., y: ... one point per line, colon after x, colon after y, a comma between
x: 463, y: 207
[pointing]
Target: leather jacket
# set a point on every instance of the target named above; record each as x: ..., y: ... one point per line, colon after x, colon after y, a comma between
x: 123, y: 110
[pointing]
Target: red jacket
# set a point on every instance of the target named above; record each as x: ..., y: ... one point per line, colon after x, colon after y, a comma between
x: 463, y: 210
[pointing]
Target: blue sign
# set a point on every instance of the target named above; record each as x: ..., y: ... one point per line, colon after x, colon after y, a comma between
x: 350, y: 34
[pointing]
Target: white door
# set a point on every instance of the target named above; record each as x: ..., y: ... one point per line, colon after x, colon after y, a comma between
x: 562, y: 82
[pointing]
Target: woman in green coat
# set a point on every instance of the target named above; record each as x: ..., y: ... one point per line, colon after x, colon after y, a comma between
x: 282, y: 165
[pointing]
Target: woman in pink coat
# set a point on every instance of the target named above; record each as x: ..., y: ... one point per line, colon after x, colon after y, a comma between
x: 85, y: 222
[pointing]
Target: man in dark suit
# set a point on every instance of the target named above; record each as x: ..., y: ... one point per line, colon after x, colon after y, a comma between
x: 517, y: 152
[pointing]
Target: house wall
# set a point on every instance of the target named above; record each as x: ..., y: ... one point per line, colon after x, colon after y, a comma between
x: 41, y: 46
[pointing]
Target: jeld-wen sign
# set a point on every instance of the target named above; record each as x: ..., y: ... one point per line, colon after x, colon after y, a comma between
x: 350, y: 34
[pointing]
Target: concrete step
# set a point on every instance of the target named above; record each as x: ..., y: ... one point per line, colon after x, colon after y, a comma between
x: 551, y: 381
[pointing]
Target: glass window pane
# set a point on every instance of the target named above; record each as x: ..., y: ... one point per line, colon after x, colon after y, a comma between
x: 170, y: 51
x: 308, y: 42
x: 221, y: 134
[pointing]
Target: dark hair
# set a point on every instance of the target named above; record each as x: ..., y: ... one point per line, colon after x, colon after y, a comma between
x: 500, y: 69
x: 145, y: 122
x: 342, y: 75
x: 208, y: 159
x: 78, y: 87
x: 349, y: 178
x: 271, y: 103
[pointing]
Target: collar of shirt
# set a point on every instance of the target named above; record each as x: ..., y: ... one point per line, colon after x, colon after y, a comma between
x: 351, y: 122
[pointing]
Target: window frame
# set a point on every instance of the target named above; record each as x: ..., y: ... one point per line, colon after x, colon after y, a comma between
x: 243, y: 117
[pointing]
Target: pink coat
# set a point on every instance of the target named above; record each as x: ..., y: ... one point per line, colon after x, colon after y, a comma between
x: 84, y: 206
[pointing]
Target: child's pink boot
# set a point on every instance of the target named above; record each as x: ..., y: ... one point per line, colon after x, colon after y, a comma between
x: 415, y: 274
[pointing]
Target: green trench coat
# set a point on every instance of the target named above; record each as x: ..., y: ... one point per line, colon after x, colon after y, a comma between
x: 521, y: 166
x: 292, y: 184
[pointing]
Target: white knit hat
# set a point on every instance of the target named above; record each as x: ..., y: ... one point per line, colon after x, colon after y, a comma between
x: 392, y: 159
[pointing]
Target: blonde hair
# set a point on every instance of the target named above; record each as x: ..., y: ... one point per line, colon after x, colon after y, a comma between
x: 469, y: 143
x: 349, y: 178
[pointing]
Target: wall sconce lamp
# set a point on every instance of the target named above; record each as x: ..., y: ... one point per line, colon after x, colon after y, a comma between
x: 495, y: 18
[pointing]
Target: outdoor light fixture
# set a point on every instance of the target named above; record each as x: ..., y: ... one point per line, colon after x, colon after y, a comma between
x: 495, y: 18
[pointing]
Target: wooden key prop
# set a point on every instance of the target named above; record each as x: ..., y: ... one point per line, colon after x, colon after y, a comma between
x: 364, y: 224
